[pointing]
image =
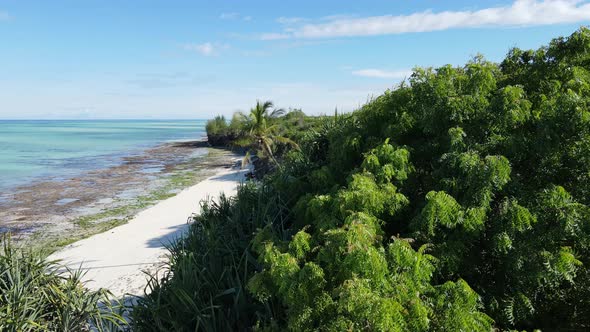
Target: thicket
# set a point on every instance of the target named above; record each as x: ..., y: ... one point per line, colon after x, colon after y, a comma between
x: 458, y: 201
x: 279, y: 127
x: 219, y: 133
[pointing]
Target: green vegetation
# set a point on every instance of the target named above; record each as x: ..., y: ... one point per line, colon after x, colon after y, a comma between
x: 36, y: 296
x: 219, y: 132
x: 266, y: 130
x: 459, y: 201
x: 260, y: 132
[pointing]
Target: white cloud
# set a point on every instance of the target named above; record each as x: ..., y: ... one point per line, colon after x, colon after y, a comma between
x: 229, y: 16
x: 206, y: 49
x: 336, y: 17
x: 378, y: 73
x: 274, y: 36
x: 519, y: 13
x: 234, y: 16
x: 4, y: 16
x: 290, y: 20
x: 256, y: 53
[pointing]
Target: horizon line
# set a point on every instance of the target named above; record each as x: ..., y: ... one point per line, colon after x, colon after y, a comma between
x: 104, y: 119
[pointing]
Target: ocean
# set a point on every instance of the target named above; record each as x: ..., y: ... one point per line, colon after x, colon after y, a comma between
x: 40, y: 149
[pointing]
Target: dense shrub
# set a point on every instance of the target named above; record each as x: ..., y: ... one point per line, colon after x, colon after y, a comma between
x: 219, y: 133
x: 456, y: 202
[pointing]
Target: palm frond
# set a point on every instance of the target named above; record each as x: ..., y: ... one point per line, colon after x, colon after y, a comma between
x: 267, y: 105
x: 243, y: 142
x: 286, y: 140
x: 277, y: 112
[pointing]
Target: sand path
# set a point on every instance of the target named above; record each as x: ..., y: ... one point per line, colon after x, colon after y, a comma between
x: 117, y: 259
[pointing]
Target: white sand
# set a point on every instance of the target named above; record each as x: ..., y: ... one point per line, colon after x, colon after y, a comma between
x: 117, y: 259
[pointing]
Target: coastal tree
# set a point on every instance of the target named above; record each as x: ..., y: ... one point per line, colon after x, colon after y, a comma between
x: 262, y: 131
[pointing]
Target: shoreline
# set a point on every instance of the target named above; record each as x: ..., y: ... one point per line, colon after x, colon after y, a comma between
x: 119, y: 259
x: 53, y: 213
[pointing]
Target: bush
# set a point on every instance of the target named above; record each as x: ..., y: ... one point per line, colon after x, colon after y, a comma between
x: 218, y: 131
x: 38, y: 295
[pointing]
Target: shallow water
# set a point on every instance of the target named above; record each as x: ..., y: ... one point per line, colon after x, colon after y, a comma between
x: 35, y: 149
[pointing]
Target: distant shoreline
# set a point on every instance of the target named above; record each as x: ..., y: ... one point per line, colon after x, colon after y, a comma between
x: 38, y: 150
x: 53, y: 213
x: 130, y: 119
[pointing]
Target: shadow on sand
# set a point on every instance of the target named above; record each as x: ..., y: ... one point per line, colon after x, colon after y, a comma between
x: 173, y: 235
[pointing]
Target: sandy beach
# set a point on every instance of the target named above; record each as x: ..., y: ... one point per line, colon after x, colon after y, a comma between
x: 119, y: 258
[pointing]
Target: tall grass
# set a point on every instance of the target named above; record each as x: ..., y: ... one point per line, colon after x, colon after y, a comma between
x: 204, y: 286
x: 37, y: 294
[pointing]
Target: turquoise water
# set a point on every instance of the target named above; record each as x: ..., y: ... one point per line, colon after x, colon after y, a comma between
x: 31, y: 150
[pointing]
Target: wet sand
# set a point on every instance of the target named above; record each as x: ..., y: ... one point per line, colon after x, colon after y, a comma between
x: 55, y: 212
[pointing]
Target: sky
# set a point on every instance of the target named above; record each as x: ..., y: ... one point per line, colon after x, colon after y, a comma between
x: 173, y: 59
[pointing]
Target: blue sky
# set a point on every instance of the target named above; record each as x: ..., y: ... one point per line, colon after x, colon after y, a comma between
x: 194, y: 59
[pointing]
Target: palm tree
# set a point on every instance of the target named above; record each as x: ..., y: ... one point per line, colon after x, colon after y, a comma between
x: 261, y: 132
